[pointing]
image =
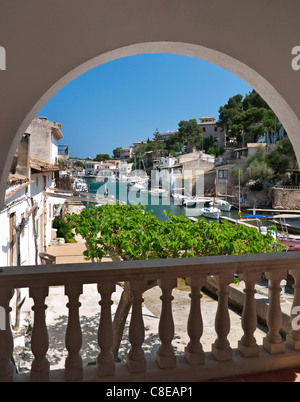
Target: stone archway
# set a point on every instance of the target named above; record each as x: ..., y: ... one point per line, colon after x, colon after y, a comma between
x: 50, y: 43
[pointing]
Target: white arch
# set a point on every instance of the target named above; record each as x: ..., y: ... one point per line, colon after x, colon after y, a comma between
x: 267, y: 91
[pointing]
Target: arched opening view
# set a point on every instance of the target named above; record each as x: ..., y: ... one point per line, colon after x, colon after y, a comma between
x: 152, y: 156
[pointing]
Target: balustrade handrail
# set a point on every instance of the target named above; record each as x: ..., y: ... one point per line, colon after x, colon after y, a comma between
x: 106, y: 275
x: 92, y: 272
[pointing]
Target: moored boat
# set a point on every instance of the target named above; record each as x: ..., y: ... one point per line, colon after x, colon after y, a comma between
x: 211, y: 212
x: 189, y: 201
x: 222, y: 205
x: 158, y: 192
x: 137, y: 187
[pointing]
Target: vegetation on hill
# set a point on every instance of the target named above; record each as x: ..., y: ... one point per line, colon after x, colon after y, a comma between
x: 245, y: 119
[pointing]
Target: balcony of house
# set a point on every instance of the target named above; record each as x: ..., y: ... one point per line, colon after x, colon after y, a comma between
x: 247, y: 356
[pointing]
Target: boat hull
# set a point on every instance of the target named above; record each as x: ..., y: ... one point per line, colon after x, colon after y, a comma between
x: 226, y: 207
x: 212, y: 213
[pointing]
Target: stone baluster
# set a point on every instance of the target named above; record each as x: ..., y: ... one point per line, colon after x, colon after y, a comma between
x: 73, y: 364
x: 273, y: 342
x: 136, y: 360
x: 7, y: 368
x: 39, y: 338
x: 194, y: 352
x: 293, y: 338
x: 247, y: 345
x: 105, y: 360
x: 221, y: 349
x: 165, y: 355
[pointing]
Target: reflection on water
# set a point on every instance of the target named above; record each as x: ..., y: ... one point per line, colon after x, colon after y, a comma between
x: 158, y: 204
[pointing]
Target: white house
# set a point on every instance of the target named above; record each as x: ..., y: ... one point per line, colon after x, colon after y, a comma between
x: 124, y: 169
x: 26, y: 219
x: 126, y: 153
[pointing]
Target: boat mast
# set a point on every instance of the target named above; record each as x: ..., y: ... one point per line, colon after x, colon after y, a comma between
x: 239, y: 189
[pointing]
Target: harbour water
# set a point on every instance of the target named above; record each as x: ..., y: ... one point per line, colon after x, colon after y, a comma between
x: 158, y: 204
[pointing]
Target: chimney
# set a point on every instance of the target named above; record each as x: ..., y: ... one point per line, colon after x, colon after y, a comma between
x: 22, y: 155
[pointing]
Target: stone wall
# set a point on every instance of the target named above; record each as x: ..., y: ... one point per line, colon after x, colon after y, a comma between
x: 261, y: 199
x: 285, y: 198
x: 70, y: 207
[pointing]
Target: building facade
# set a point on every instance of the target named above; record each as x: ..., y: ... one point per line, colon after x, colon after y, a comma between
x: 26, y: 219
x: 210, y: 129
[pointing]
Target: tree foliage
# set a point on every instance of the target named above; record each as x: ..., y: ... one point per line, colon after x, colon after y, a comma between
x: 247, y: 119
x: 129, y: 232
x: 188, y: 136
x: 283, y: 157
x: 258, y: 168
x: 190, y: 133
x: 117, y: 152
x: 102, y: 157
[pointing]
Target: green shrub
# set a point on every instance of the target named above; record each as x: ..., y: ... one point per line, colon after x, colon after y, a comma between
x: 64, y: 230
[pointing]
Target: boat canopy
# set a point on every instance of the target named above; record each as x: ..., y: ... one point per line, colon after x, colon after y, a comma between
x: 256, y: 216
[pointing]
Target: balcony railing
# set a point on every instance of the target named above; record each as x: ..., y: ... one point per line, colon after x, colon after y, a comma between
x: 195, y: 365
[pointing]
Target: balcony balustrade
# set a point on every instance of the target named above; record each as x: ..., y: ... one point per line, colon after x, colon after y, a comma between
x: 196, y: 365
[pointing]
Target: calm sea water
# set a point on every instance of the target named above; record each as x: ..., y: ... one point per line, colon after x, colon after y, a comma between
x: 157, y: 204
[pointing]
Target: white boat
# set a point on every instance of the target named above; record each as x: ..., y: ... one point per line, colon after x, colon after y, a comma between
x: 178, y: 198
x: 189, y: 201
x: 137, y: 187
x: 158, y: 192
x: 80, y: 185
x: 201, y: 201
x: 211, y: 212
x: 221, y: 204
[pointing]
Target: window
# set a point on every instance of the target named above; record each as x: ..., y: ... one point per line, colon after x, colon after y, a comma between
x: 216, y: 128
x: 222, y: 174
x: 204, y: 129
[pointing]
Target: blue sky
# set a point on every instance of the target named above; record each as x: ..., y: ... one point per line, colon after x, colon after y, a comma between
x: 126, y: 100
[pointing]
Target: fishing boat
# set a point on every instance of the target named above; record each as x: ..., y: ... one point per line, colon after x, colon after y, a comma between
x: 211, y: 212
x: 222, y: 205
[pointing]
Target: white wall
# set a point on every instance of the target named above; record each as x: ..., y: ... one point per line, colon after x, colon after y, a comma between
x: 37, y: 193
x: 54, y: 150
x: 20, y: 207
